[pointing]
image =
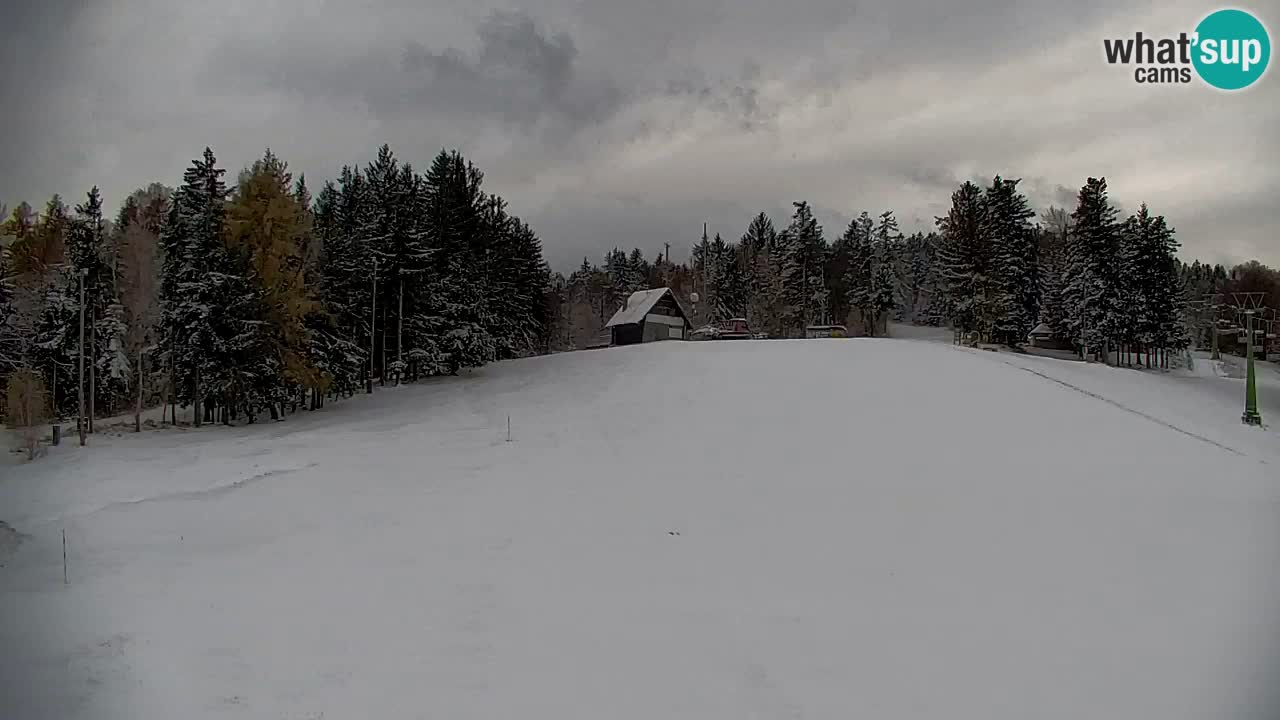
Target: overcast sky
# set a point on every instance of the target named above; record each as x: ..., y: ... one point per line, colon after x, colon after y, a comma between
x: 631, y: 122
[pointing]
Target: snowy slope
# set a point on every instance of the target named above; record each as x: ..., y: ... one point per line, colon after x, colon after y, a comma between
x: 818, y: 529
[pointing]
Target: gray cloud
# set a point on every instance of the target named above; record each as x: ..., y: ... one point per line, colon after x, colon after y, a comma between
x: 619, y: 123
x: 519, y: 75
x: 35, y: 59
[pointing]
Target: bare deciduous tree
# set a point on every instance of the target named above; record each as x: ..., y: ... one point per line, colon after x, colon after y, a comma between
x: 139, y: 267
x: 26, y: 408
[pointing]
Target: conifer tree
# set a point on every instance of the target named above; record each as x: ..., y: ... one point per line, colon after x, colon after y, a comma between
x: 916, y: 263
x: 859, y: 279
x: 87, y: 248
x: 757, y: 244
x: 453, y: 328
x: 804, y: 250
x: 965, y: 276
x: 200, y: 290
x: 1154, y: 298
x: 39, y: 244
x: 347, y: 274
x: 885, y: 280
x: 11, y: 332
x: 1006, y: 228
x: 1092, y: 291
x: 637, y: 271
x: 1053, y: 269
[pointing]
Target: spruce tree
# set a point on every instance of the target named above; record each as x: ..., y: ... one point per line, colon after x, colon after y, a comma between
x: 200, y: 286
x: 637, y: 272
x: 1154, y: 298
x: 1007, y: 230
x: 757, y: 244
x: 885, y: 279
x: 11, y: 349
x: 805, y: 252
x: 348, y: 273
x: 456, y: 313
x: 916, y: 263
x: 968, y: 287
x: 1092, y: 290
x: 859, y: 279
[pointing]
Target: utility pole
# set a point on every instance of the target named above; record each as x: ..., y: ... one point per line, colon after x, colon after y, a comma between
x: 137, y: 413
x: 373, y: 324
x: 1251, y: 415
x: 400, y: 326
x: 804, y: 288
x: 1215, y: 301
x: 1084, y: 335
x: 80, y: 421
x: 705, y: 248
x: 93, y: 368
x: 1216, y: 355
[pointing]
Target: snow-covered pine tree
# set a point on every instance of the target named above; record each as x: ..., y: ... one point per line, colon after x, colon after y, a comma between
x: 39, y: 313
x: 11, y: 341
x: 916, y: 261
x: 835, y: 270
x: 637, y: 271
x: 52, y: 304
x: 531, y: 285
x: 1151, y: 281
x: 347, y: 272
x: 1093, y: 287
x: 805, y: 253
x: 859, y: 277
x: 886, y: 276
x: 964, y: 263
x: 108, y: 364
x: 516, y: 279
x: 718, y: 297
x: 38, y: 244
x: 1052, y: 235
x: 201, y: 283
x: 756, y: 245
x: 456, y: 312
x: 1006, y: 227
x: 391, y: 232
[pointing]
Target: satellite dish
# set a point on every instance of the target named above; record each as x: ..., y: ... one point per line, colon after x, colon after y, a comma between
x: 693, y: 297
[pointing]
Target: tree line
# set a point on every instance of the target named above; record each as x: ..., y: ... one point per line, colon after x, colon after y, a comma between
x: 990, y: 269
x: 256, y: 298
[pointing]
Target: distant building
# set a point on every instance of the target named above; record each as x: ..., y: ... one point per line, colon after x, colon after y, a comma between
x: 826, y: 331
x: 647, y: 316
x: 1042, y: 336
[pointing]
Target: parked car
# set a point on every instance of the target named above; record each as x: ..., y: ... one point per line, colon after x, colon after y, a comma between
x: 732, y: 329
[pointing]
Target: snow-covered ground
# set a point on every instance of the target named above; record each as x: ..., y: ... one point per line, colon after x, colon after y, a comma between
x: 818, y: 529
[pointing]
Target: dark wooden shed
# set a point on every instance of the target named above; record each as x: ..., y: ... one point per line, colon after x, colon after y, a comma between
x: 649, y: 316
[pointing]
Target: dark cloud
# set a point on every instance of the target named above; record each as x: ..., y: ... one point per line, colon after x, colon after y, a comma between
x: 519, y: 74
x: 37, y: 58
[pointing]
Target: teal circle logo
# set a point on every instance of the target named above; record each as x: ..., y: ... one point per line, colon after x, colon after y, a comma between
x: 1231, y: 49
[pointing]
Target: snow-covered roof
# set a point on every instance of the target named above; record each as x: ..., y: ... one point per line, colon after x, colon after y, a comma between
x: 637, y: 306
x: 1041, y: 329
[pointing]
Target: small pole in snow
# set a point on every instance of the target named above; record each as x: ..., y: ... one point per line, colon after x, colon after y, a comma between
x: 64, y: 557
x: 508, y: 428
